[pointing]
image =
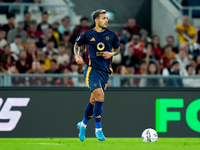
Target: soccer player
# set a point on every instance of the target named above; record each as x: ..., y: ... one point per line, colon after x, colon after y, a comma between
x: 100, y: 45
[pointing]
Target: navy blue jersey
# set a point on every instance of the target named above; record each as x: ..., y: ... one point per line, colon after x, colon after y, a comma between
x: 95, y: 44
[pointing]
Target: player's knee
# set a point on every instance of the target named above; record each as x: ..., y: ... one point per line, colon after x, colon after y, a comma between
x: 92, y: 101
x: 99, y: 95
x: 100, y: 98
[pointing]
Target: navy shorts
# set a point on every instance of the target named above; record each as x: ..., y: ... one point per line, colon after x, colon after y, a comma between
x: 95, y: 78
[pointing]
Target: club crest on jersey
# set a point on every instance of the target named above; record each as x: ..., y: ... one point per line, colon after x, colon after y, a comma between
x: 95, y: 85
x: 100, y: 46
x: 107, y: 38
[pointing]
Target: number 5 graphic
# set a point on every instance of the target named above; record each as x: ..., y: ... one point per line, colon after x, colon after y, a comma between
x: 12, y: 115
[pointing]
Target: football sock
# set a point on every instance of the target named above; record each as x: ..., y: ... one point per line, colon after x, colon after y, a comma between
x: 83, y: 125
x: 98, y: 110
x: 97, y: 129
x: 88, y: 114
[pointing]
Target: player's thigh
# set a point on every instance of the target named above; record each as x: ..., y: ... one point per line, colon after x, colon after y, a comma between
x: 92, y: 99
x: 98, y: 94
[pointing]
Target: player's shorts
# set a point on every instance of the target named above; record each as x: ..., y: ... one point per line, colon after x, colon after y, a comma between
x: 95, y: 78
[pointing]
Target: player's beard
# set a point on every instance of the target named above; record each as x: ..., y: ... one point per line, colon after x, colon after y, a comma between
x: 102, y: 27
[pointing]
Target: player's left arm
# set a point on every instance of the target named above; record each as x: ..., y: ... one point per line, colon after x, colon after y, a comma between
x: 107, y: 54
x: 116, y: 47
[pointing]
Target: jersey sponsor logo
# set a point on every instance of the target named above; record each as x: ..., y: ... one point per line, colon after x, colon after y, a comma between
x: 107, y: 38
x: 99, y: 116
x: 100, y: 46
x: 93, y: 39
x: 12, y: 117
x: 99, y: 53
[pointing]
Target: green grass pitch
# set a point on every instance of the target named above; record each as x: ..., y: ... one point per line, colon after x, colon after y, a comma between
x: 94, y: 144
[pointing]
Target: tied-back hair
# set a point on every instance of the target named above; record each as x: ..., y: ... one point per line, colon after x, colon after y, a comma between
x: 153, y: 81
x: 152, y: 63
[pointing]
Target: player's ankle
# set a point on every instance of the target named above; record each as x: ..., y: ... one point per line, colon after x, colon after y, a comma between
x: 83, y: 125
x: 97, y: 129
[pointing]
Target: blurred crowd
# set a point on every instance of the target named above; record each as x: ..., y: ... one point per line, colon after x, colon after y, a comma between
x: 31, y: 47
x: 44, y: 48
x: 144, y: 56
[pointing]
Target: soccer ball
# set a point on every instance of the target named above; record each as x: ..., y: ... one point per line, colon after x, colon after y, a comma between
x: 149, y: 135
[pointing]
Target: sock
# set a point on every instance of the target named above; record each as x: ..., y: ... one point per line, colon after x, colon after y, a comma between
x: 97, y: 129
x: 98, y: 111
x: 88, y: 114
x: 83, y: 125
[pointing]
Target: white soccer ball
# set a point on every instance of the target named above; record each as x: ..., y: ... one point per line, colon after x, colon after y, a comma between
x: 149, y: 135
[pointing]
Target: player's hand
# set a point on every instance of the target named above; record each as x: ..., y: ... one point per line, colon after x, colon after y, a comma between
x: 79, y: 59
x: 107, y: 55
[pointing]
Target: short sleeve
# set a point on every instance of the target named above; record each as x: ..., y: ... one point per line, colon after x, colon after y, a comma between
x: 81, y: 39
x: 116, y: 43
x: 179, y: 26
x: 192, y: 30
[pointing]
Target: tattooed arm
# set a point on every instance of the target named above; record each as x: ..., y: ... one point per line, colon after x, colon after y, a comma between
x: 79, y: 59
x: 115, y: 52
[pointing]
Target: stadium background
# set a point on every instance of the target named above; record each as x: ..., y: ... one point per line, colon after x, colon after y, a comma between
x: 55, y: 94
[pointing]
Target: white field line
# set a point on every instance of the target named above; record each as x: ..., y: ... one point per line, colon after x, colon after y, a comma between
x: 46, y: 143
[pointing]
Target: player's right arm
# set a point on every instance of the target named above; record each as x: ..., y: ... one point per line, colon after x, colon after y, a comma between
x: 79, y: 42
x: 79, y: 59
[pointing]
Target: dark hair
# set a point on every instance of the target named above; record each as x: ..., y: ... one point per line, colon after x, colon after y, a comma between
x: 97, y: 13
x: 61, y: 44
x: 27, y: 13
x: 142, y: 62
x: 41, y: 62
x: 18, y: 36
x: 174, y: 63
x: 45, y: 13
x: 4, y: 59
x: 57, y: 23
x: 33, y: 22
x: 20, y: 23
x: 66, y: 33
x: 6, y: 46
x: 152, y: 63
x: 66, y: 17
x: 55, y: 54
x: 170, y: 36
x: 10, y: 15
x: 197, y: 69
x: 74, y: 63
x: 122, y: 42
x: 118, y: 69
x: 188, y: 66
x: 136, y: 34
x: 167, y: 46
x: 153, y: 36
x: 131, y: 18
x: 54, y: 61
x: 148, y: 43
x: 83, y: 18
x: 50, y: 40
x: 22, y: 51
